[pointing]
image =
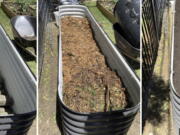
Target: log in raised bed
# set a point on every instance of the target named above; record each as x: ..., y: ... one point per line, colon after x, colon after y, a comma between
x: 175, y: 66
x: 73, y: 122
x: 19, y: 85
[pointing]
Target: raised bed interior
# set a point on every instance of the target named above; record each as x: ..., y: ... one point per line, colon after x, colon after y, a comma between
x: 89, y: 84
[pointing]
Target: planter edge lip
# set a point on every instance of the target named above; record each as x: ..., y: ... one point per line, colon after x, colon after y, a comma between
x: 172, y: 53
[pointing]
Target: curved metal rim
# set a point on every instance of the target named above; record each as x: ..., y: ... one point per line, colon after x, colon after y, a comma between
x: 172, y: 52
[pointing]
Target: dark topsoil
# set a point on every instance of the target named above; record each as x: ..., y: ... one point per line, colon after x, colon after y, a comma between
x: 177, y: 48
x: 89, y: 84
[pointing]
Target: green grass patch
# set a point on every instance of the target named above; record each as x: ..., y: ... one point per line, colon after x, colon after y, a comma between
x: 103, y: 21
x: 5, y: 23
x: 90, y: 3
x: 32, y: 65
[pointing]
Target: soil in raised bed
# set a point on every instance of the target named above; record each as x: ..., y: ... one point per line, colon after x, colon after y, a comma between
x: 89, y: 85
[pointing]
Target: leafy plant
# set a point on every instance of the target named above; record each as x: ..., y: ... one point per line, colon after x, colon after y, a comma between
x: 25, y: 4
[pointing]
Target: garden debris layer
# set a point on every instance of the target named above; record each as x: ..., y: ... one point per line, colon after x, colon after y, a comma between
x: 88, y: 83
x: 109, y: 5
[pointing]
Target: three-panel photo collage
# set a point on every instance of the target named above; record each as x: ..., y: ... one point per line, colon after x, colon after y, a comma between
x: 89, y: 67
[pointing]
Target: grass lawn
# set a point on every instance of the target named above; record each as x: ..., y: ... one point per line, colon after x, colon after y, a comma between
x: 101, y: 19
x: 5, y: 22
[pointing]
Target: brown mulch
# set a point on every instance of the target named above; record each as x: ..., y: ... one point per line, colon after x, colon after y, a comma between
x: 89, y: 85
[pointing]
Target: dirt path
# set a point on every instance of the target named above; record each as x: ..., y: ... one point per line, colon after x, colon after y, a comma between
x: 48, y: 84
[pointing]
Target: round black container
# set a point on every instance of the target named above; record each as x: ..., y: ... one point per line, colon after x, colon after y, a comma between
x: 123, y: 44
x: 24, y: 30
x: 127, y: 14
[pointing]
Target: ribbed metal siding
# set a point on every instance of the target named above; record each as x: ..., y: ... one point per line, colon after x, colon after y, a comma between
x: 175, y: 97
x: 115, y: 122
x: 21, y: 87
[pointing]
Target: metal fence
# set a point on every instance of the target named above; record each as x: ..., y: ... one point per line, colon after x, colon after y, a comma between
x: 152, y: 16
x: 46, y: 8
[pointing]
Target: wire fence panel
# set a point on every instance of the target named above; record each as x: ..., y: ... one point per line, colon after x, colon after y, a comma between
x: 45, y: 15
x: 152, y: 16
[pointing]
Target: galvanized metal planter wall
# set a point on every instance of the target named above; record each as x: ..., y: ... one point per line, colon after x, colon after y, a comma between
x: 104, y: 123
x: 175, y: 97
x: 20, y: 85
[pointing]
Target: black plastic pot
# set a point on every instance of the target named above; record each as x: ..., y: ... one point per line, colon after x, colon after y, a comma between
x: 20, y: 86
x: 128, y: 15
x: 100, y: 123
x: 24, y: 30
x: 123, y: 44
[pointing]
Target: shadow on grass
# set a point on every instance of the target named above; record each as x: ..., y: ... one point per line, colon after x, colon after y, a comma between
x: 158, y: 102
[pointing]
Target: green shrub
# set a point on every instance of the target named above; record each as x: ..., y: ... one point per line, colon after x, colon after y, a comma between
x: 25, y: 3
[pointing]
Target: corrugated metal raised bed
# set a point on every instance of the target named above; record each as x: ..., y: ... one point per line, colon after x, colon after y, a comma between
x: 20, y: 85
x: 114, y: 122
x: 174, y: 77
